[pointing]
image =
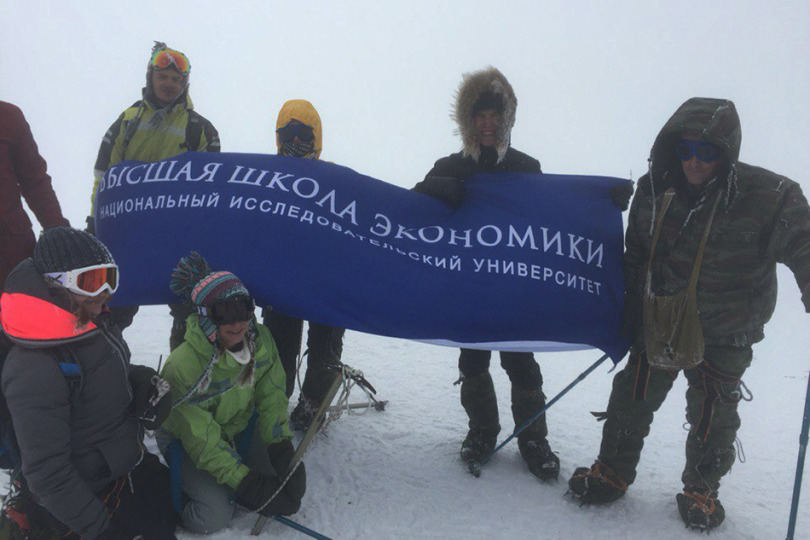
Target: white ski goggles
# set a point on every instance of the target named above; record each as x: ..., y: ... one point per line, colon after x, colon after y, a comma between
x: 88, y: 281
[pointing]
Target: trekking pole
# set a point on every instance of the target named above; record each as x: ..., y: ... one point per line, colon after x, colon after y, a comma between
x: 797, y: 484
x: 475, y: 468
x: 301, y: 528
x: 314, y: 428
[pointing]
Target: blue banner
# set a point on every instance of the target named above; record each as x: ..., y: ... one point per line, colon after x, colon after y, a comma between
x: 528, y: 262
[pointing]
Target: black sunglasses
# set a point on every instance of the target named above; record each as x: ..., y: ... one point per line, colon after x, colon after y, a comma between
x: 291, y: 131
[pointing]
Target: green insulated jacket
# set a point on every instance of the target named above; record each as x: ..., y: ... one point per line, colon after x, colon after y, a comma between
x: 763, y: 218
x: 207, y: 423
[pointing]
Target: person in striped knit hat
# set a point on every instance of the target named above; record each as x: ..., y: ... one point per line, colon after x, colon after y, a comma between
x: 226, y: 369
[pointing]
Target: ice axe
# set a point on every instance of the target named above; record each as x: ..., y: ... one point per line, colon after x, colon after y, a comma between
x: 797, y: 484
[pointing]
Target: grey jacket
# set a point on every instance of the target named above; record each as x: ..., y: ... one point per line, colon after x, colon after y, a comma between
x: 75, y: 437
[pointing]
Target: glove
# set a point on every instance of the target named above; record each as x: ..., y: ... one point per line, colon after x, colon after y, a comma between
x: 448, y: 189
x: 281, y: 454
x: 91, y: 225
x: 151, y: 399
x: 620, y: 194
x: 255, y: 489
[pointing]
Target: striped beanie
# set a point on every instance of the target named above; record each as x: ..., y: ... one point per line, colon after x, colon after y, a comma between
x: 194, y: 280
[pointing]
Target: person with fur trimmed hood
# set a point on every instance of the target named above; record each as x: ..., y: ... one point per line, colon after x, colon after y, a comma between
x: 485, y: 113
x: 711, y: 228
x: 299, y: 134
x: 79, y: 407
x: 226, y: 377
x: 161, y: 125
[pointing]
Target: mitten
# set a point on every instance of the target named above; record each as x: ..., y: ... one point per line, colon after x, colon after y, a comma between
x: 448, y: 189
x: 620, y: 194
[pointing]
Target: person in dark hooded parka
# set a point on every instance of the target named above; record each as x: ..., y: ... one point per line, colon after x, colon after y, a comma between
x: 485, y: 113
x: 709, y: 229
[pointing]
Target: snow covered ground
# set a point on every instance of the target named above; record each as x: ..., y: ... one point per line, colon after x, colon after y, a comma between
x: 397, y: 474
x: 595, y: 80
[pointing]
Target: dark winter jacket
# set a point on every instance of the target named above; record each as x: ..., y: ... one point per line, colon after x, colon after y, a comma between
x: 458, y: 166
x: 23, y: 173
x: 75, y: 437
x: 762, y: 218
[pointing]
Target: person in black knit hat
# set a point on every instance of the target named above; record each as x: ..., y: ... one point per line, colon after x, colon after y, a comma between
x: 79, y: 408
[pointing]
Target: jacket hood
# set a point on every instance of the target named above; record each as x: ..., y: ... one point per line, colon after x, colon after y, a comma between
x: 472, y: 86
x: 714, y: 120
x: 33, y: 316
x: 303, y: 111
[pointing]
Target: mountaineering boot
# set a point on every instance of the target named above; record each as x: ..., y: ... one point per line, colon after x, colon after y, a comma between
x: 597, y: 485
x: 700, y: 509
x: 479, y: 401
x: 532, y: 442
x: 304, y: 413
x: 477, y: 444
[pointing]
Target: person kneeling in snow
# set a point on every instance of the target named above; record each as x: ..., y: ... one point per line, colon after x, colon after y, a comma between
x: 226, y: 372
x: 80, y: 428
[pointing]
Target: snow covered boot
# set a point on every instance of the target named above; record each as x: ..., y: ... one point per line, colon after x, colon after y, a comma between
x: 479, y: 401
x: 532, y: 443
x: 597, y: 485
x: 700, y: 509
x: 304, y: 413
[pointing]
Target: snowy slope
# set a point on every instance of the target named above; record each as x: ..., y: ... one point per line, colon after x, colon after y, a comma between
x: 595, y: 80
x: 396, y: 474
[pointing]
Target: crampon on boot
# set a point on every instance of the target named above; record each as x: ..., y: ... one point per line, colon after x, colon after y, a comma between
x: 597, y: 485
x: 542, y: 462
x: 700, y: 509
x: 475, y: 447
x: 303, y: 414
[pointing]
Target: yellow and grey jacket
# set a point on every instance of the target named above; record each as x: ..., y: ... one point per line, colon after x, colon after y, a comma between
x: 146, y: 133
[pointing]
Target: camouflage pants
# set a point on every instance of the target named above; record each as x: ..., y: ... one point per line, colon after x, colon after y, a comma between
x: 711, y: 411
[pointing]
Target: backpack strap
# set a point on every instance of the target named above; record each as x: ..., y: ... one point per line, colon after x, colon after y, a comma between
x: 194, y: 129
x: 71, y: 369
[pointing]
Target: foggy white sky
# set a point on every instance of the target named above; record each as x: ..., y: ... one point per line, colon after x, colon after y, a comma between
x: 595, y: 80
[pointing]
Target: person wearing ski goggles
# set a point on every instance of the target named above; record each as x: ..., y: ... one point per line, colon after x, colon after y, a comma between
x: 227, y: 368
x: 161, y: 125
x: 75, y: 399
x: 704, y: 235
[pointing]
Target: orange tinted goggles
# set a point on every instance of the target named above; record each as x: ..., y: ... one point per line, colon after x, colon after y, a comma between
x: 166, y: 58
x: 88, y: 281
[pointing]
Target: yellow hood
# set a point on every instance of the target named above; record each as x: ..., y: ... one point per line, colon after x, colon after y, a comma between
x: 303, y: 111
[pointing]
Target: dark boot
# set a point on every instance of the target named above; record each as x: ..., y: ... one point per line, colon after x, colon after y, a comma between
x: 597, y: 485
x: 479, y: 401
x: 304, y: 413
x: 700, y: 509
x: 532, y: 442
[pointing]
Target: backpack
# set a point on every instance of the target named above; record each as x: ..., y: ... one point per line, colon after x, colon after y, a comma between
x: 68, y: 363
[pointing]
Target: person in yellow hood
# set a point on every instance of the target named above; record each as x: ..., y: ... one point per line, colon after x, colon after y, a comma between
x: 299, y: 134
x: 161, y: 125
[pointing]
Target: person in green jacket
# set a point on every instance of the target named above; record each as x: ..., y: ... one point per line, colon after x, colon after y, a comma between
x: 699, y: 211
x: 226, y: 372
x: 161, y: 125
